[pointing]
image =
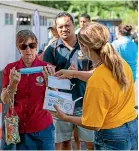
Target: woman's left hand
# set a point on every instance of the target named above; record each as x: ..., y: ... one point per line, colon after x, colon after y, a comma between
x: 65, y: 74
x: 48, y: 70
x: 60, y: 114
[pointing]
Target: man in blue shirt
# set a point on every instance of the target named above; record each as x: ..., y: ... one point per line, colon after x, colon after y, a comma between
x: 61, y: 54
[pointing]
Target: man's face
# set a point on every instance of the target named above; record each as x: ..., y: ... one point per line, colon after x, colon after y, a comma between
x: 83, y: 21
x: 65, y: 27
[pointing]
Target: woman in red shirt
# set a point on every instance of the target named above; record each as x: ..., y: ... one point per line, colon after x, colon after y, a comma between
x: 36, y: 128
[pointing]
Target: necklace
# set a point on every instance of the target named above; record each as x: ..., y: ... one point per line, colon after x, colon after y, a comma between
x: 97, y: 64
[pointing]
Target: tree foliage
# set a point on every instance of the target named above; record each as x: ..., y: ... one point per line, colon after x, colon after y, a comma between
x: 61, y: 5
x: 126, y: 10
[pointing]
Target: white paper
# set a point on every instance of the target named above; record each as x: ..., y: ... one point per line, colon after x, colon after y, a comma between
x: 63, y: 100
x: 54, y: 82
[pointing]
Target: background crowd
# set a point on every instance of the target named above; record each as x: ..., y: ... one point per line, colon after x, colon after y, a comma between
x: 101, y: 70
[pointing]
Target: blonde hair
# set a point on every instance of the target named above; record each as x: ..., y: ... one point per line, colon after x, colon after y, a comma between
x: 95, y: 36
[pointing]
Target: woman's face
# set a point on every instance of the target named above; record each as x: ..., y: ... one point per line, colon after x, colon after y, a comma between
x: 28, y: 51
x: 86, y: 52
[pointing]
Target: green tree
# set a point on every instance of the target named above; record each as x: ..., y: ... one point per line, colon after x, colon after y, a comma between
x: 126, y: 10
x: 61, y: 5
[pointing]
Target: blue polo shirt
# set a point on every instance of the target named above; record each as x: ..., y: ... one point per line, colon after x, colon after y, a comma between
x: 60, y: 56
x: 128, y: 50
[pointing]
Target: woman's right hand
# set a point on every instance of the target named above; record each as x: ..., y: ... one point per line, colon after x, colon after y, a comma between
x: 48, y: 70
x: 14, y: 77
x: 65, y: 74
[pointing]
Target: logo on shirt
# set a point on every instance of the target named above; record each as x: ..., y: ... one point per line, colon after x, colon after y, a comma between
x: 39, y: 80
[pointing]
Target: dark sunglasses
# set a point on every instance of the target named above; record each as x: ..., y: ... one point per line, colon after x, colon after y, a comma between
x: 31, y: 46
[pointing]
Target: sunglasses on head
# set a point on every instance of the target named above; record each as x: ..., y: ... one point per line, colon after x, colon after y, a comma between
x: 31, y: 46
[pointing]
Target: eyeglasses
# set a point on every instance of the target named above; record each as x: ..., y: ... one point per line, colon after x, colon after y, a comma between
x: 31, y: 46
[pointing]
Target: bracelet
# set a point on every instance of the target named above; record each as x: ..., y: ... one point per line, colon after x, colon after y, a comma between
x: 9, y: 90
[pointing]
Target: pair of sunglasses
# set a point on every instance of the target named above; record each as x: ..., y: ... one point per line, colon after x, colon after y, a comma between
x: 31, y: 46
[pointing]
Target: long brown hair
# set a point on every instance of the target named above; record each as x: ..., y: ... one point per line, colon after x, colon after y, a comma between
x: 95, y: 36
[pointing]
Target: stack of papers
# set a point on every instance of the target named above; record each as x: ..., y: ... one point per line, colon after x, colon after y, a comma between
x: 62, y: 99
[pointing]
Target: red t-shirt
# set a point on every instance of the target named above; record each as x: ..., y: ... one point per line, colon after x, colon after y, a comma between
x: 29, y: 98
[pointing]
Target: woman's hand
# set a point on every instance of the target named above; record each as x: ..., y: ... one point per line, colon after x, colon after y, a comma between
x: 14, y: 77
x: 48, y: 70
x: 60, y: 114
x: 65, y: 74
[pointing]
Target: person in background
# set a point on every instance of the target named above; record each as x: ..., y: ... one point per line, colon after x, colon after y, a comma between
x: 84, y: 18
x: 108, y: 106
x: 127, y: 49
x: 61, y: 54
x: 55, y: 36
x: 35, y: 124
x: 134, y: 35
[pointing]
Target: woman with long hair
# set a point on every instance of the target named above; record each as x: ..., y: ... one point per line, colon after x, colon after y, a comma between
x: 109, y: 100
